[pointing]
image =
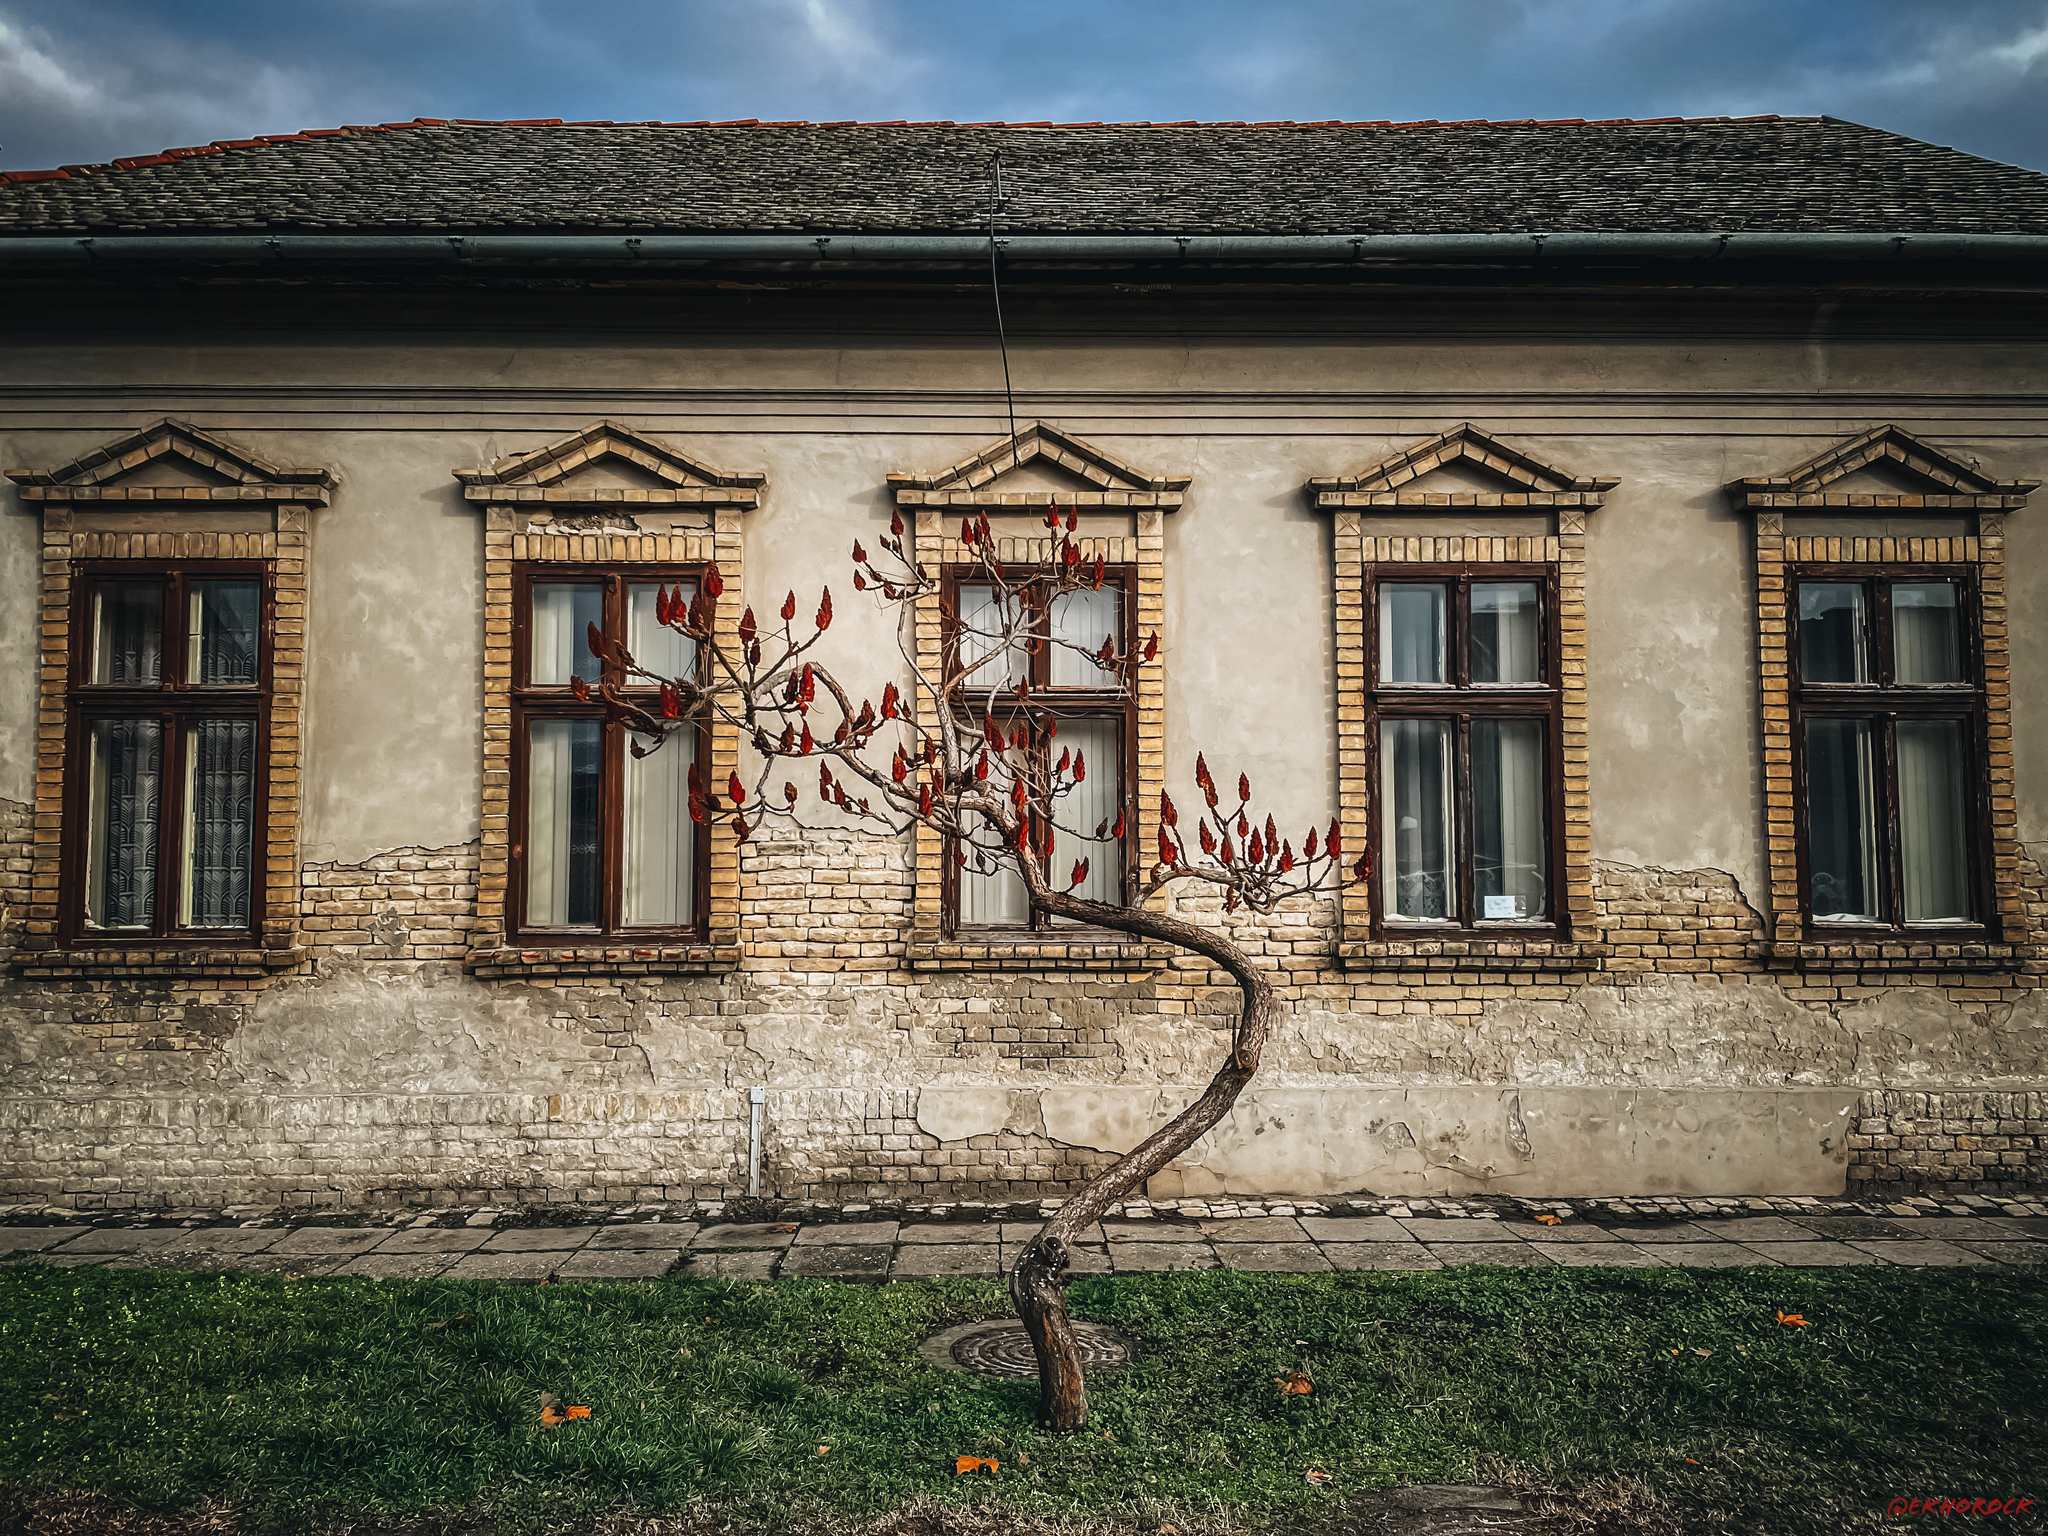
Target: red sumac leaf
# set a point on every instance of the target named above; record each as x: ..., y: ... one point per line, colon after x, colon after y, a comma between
x: 1069, y: 555
x: 1101, y: 569
x: 1286, y: 858
x: 696, y: 809
x: 1152, y: 647
x: 1363, y: 869
x: 696, y: 781
x: 1168, y: 816
x: 981, y: 766
x: 1202, y: 772
x: 1168, y: 854
x: 748, y: 629
x: 788, y: 742
x: 1244, y: 787
x: 1272, y: 834
x: 967, y: 530
x: 1208, y: 838
x: 1080, y: 766
x: 1118, y: 829
x: 1333, y: 843
x: 825, y: 779
x: 896, y: 524
x: 714, y: 584
x: 671, y: 702
x: 1065, y: 757
x: 1255, y: 850
x: 825, y: 609
x: 736, y: 789
x: 1308, y: 848
x: 1225, y: 852
x: 1243, y: 827
x: 594, y: 638
x: 1073, y: 517
x: 579, y: 688
x: 1080, y: 874
x: 889, y: 697
x: 859, y: 582
x: 789, y: 608
x: 860, y: 556
x: 924, y: 799
x: 807, y: 741
x: 789, y: 792
x: 740, y: 829
x: 899, y: 770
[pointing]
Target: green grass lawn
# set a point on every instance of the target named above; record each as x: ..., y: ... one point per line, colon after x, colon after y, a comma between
x: 299, y: 1400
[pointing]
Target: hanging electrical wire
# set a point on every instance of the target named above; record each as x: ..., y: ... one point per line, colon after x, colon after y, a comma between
x: 995, y: 203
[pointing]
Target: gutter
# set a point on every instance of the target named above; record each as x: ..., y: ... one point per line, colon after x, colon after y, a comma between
x: 832, y: 250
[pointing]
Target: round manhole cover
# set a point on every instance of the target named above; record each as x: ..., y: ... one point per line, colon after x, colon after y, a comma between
x: 1002, y: 1347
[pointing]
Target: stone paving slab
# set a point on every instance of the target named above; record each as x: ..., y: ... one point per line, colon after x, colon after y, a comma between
x: 1814, y: 1254
x: 67, y: 1260
x: 924, y: 1259
x: 1988, y: 1229
x: 1761, y: 1229
x: 1273, y: 1258
x: 866, y: 1261
x: 331, y: 1240
x: 1676, y: 1232
x: 1842, y: 1229
x: 397, y: 1266
x: 642, y: 1234
x: 756, y: 1235
x: 2011, y: 1253
x: 225, y: 1240
x: 1714, y: 1256
x: 634, y: 1263
x: 1152, y: 1231
x: 1564, y: 1232
x: 1923, y: 1251
x: 1255, y: 1229
x: 1619, y: 1255
x: 949, y: 1232
x: 538, y: 1239
x: 1355, y: 1229
x: 723, y: 1266
x: 123, y: 1240
x: 1155, y: 1257
x: 1516, y: 1255
x: 1024, y: 1231
x: 33, y: 1239
x: 425, y: 1240
x: 1428, y: 1230
x: 516, y: 1268
x: 1380, y: 1256
x: 303, y: 1264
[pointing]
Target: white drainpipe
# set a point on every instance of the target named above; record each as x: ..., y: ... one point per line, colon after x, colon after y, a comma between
x: 756, y: 1097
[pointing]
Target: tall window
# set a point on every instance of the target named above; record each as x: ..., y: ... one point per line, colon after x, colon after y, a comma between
x: 603, y: 841
x: 169, y: 712
x: 1465, y: 697
x: 1047, y: 635
x: 1888, y: 705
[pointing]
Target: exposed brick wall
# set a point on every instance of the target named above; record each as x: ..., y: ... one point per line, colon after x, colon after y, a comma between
x: 408, y: 904
x: 1949, y: 1143
x: 17, y: 866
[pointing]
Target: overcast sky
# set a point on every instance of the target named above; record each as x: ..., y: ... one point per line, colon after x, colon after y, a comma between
x: 84, y: 80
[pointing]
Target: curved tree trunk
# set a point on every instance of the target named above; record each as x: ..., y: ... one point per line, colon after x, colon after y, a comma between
x: 1036, y: 1283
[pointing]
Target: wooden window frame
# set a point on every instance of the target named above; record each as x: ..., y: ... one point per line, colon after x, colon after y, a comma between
x: 1884, y: 703
x: 176, y: 702
x: 530, y: 702
x: 1463, y: 703
x: 1117, y: 704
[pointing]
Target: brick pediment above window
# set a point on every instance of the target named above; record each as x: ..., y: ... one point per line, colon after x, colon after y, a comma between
x: 1509, y: 478
x: 174, y: 464
x: 1100, y: 482
x: 1927, y: 478
x: 606, y: 464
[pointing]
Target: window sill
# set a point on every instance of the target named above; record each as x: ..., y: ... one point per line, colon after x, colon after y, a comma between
x: 1469, y: 954
x: 1094, y: 951
x: 1893, y: 952
x: 509, y: 964
x: 246, y: 962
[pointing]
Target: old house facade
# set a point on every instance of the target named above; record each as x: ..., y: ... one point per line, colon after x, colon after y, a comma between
x: 1622, y: 529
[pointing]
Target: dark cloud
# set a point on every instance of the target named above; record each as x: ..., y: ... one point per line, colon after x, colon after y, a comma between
x: 92, y: 79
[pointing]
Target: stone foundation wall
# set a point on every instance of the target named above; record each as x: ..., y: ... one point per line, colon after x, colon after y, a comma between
x: 382, y: 1072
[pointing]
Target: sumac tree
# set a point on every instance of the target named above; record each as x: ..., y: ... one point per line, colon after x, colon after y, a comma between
x: 989, y: 774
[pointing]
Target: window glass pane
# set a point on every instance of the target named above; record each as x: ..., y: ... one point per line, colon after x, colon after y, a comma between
x: 222, y: 633
x: 991, y: 890
x: 1415, y: 828
x: 561, y: 824
x: 1412, y: 632
x: 1085, y: 619
x: 1841, y: 835
x: 128, y: 634
x: 1509, y: 862
x: 1926, y: 635
x: 1831, y: 630
x: 561, y: 612
x: 984, y: 622
x: 1505, y: 644
x: 125, y: 798
x: 1933, y: 859
x: 665, y: 652
x: 220, y: 823
x: 659, y: 850
x: 1092, y: 802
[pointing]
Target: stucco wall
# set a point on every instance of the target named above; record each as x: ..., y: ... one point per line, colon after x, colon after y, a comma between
x: 382, y: 1071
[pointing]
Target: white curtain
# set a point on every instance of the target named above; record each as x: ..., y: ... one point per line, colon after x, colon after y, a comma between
x: 1085, y: 619
x: 222, y: 633
x: 1416, y: 847
x: 121, y: 844
x: 561, y: 610
x: 220, y: 818
x: 1833, y: 624
x: 659, y: 846
x: 1932, y: 861
x: 1926, y: 640
x: 1841, y: 820
x: 666, y: 652
x: 128, y: 633
x: 993, y: 895
x: 1094, y: 799
x: 561, y: 823
x: 1508, y: 835
x: 983, y: 622
x: 1505, y: 632
x: 1411, y: 632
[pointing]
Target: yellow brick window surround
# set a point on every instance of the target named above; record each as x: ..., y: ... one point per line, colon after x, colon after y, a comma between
x: 1866, y: 522
x: 1122, y: 515
x: 606, y: 501
x: 1453, y: 517
x: 171, y: 508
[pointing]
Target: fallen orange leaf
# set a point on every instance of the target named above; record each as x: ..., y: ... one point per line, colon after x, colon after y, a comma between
x: 965, y: 1464
x: 549, y: 1418
x: 1791, y: 1319
x: 1549, y: 1220
x: 1294, y: 1384
x: 1320, y: 1478
x: 785, y: 1226
x: 576, y: 1413
x: 824, y: 1450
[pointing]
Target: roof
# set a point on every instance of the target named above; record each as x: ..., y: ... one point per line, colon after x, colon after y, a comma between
x: 1713, y: 175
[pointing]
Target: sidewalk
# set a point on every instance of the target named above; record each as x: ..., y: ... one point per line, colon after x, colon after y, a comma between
x: 856, y: 1243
